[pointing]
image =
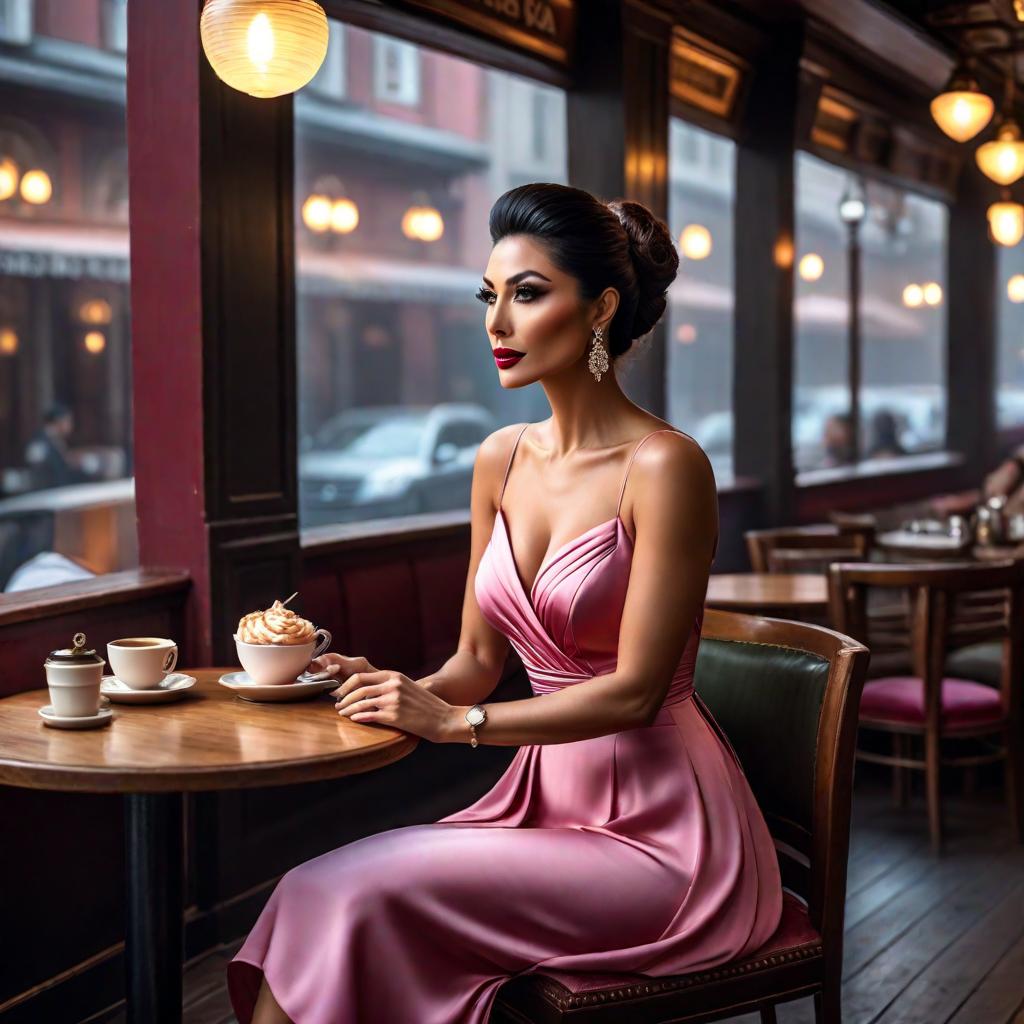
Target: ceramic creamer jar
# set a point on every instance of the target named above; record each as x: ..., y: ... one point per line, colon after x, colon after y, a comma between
x: 73, y: 677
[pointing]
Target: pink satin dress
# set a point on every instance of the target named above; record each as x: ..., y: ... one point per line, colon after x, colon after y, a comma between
x: 641, y: 851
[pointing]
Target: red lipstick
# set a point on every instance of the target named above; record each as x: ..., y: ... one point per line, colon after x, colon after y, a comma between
x: 506, y: 357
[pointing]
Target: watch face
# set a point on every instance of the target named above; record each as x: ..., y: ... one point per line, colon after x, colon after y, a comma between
x: 475, y: 716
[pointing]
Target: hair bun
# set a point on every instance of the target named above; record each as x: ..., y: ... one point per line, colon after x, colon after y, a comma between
x: 655, y: 260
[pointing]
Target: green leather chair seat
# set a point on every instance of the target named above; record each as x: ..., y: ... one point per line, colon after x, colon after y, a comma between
x: 980, y: 662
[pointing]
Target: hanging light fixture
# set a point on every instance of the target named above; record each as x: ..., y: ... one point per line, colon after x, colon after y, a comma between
x: 1006, y: 221
x: 264, y: 47
x: 422, y: 221
x: 962, y: 110
x: 36, y: 187
x: 8, y: 178
x: 1002, y: 159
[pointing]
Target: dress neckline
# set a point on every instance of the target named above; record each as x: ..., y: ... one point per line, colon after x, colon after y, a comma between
x: 531, y: 593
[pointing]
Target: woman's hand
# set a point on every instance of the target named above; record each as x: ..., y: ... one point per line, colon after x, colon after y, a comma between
x: 339, y: 666
x: 391, y: 698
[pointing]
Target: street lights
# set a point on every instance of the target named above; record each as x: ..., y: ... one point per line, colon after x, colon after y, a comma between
x: 853, y: 208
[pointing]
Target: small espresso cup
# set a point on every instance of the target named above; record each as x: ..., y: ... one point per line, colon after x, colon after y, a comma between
x: 277, y: 664
x: 141, y: 662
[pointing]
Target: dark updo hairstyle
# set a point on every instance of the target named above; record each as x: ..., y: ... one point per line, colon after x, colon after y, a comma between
x: 620, y: 244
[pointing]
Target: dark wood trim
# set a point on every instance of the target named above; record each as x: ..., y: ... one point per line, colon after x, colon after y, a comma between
x: 114, y: 588
x: 765, y: 256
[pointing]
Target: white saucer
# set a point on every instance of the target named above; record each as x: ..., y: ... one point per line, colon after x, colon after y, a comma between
x: 171, y: 687
x: 102, y: 717
x: 242, y: 683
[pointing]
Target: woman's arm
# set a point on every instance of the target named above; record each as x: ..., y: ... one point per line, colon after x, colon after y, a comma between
x: 472, y: 672
x: 675, y: 510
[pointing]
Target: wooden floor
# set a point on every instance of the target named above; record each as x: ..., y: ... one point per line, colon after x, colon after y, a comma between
x: 928, y: 941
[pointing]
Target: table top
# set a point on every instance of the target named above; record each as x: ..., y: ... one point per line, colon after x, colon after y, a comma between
x: 755, y: 591
x: 940, y: 546
x: 211, y: 739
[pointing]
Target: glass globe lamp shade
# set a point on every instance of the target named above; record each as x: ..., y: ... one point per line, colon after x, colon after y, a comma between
x: 962, y: 110
x: 1002, y: 159
x: 264, y: 47
x: 1006, y: 222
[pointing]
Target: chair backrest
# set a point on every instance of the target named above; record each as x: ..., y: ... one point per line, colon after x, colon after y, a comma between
x: 804, y: 548
x: 786, y: 695
x: 944, y: 606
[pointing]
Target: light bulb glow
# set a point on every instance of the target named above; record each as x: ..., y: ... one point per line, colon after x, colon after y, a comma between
x: 95, y: 342
x: 36, y: 187
x: 8, y: 341
x: 95, y: 311
x: 1002, y: 160
x: 316, y: 213
x: 423, y: 223
x: 695, y: 242
x: 811, y: 267
x: 8, y: 178
x: 1015, y: 288
x: 1006, y: 222
x: 264, y: 47
x: 913, y: 296
x: 932, y: 293
x: 962, y: 114
x: 344, y: 216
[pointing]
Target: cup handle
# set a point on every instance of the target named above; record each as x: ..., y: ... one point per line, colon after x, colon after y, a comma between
x: 104, y: 701
x: 171, y: 660
x: 322, y: 645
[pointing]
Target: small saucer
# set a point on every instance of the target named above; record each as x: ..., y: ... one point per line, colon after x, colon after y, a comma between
x: 172, y: 687
x: 102, y: 717
x: 303, y: 688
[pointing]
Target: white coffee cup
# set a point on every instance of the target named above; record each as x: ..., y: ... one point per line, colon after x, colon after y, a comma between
x: 277, y: 664
x: 141, y: 662
x: 75, y: 689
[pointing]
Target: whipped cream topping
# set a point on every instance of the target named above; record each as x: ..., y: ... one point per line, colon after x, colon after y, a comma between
x: 276, y: 625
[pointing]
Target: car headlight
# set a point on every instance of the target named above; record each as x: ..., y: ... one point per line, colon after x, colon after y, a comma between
x: 382, y: 485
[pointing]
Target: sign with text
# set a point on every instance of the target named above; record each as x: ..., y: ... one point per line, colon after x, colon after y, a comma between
x: 543, y: 27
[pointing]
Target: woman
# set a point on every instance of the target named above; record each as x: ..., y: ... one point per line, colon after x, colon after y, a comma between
x: 623, y: 836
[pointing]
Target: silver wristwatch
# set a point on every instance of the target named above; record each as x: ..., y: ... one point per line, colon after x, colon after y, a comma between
x: 476, y: 715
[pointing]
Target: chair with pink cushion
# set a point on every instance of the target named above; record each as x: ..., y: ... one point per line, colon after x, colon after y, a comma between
x: 949, y: 606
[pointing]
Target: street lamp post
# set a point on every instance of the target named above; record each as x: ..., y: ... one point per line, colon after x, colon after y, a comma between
x: 852, y: 211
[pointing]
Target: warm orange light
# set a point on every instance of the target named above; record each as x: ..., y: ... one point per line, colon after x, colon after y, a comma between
x: 264, y: 47
x: 344, y: 216
x: 8, y: 341
x: 913, y: 296
x: 686, y: 334
x: 8, y: 178
x: 962, y: 110
x: 1002, y: 160
x: 316, y: 213
x: 1006, y: 222
x: 784, y: 253
x: 95, y: 342
x: 932, y: 293
x: 36, y: 187
x: 95, y: 311
x: 423, y: 223
x: 695, y: 242
x: 1015, y: 288
x: 811, y: 266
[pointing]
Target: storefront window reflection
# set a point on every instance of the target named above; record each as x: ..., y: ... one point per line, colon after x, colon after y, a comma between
x: 397, y: 387
x: 66, y: 495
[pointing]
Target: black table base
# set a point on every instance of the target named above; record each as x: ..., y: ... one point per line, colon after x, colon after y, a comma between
x: 154, y: 952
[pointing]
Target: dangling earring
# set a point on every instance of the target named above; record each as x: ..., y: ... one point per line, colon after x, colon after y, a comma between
x: 598, y: 362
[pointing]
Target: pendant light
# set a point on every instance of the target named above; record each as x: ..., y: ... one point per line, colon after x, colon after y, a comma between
x: 264, y: 47
x: 1002, y: 159
x: 1006, y: 221
x: 962, y: 110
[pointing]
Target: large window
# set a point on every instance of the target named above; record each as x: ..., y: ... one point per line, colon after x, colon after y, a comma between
x: 1010, y: 359
x: 397, y: 387
x: 700, y: 324
x: 899, y: 330
x: 66, y: 504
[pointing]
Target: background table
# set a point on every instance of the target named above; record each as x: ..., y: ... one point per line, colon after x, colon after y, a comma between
x: 904, y: 544
x: 769, y: 593
x: 152, y: 754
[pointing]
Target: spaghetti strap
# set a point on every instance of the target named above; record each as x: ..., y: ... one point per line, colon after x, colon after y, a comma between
x: 508, y: 467
x: 625, y: 476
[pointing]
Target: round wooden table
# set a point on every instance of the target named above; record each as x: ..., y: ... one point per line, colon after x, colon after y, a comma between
x: 932, y: 547
x: 153, y: 754
x: 769, y: 593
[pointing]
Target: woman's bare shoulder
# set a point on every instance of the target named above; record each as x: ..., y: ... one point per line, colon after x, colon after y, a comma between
x: 494, y: 451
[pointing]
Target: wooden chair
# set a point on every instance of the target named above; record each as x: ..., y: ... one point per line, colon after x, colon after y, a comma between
x: 786, y: 694
x: 862, y: 524
x: 804, y: 548
x: 949, y: 606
